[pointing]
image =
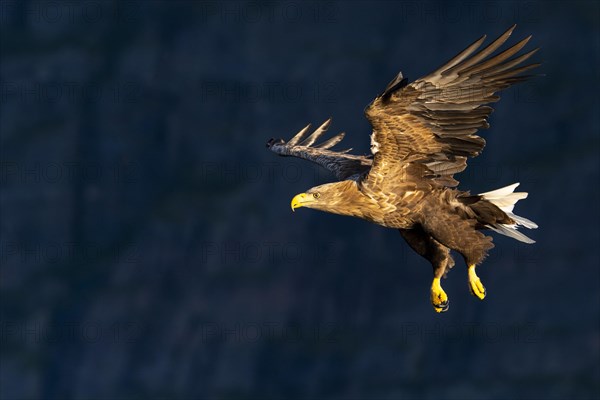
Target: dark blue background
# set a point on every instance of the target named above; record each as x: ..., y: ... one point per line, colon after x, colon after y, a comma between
x: 147, y: 245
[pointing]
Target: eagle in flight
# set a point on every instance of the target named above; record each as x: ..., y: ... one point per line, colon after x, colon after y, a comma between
x: 423, y: 134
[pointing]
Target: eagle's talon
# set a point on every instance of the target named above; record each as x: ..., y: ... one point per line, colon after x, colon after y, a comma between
x: 475, y: 286
x: 439, y: 299
x: 442, y: 307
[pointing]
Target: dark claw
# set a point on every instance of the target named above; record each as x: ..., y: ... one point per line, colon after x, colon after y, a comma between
x: 473, y: 292
x: 443, y: 307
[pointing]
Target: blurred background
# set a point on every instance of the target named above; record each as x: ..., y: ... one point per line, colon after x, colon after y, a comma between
x: 148, y: 249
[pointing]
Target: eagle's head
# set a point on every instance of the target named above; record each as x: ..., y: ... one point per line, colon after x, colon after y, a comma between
x: 331, y: 197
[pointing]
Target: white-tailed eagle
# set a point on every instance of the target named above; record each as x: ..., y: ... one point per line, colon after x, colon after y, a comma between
x: 423, y: 134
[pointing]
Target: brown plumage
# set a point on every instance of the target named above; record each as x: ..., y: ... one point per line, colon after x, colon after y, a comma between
x: 423, y: 134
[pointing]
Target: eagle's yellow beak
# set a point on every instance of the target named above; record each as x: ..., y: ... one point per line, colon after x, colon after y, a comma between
x: 300, y: 200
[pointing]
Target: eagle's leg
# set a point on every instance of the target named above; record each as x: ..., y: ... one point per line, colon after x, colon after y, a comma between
x: 439, y: 257
x: 460, y: 234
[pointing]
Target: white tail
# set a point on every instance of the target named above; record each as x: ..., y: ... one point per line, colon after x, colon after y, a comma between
x: 505, y: 199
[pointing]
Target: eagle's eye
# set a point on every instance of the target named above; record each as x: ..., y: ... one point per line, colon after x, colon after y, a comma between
x: 316, y: 195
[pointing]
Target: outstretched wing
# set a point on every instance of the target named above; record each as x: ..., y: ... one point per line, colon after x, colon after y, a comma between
x: 341, y: 164
x: 425, y: 131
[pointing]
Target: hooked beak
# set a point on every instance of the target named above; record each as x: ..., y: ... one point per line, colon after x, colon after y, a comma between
x: 300, y: 200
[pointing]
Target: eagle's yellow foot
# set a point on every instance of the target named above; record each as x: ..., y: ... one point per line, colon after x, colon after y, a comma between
x: 475, y: 285
x: 439, y: 299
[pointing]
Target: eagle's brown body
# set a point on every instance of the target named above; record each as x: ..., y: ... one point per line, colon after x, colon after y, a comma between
x: 423, y: 134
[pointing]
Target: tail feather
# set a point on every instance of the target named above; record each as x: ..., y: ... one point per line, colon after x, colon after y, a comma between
x: 529, y: 224
x: 512, y: 232
x: 505, y: 199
